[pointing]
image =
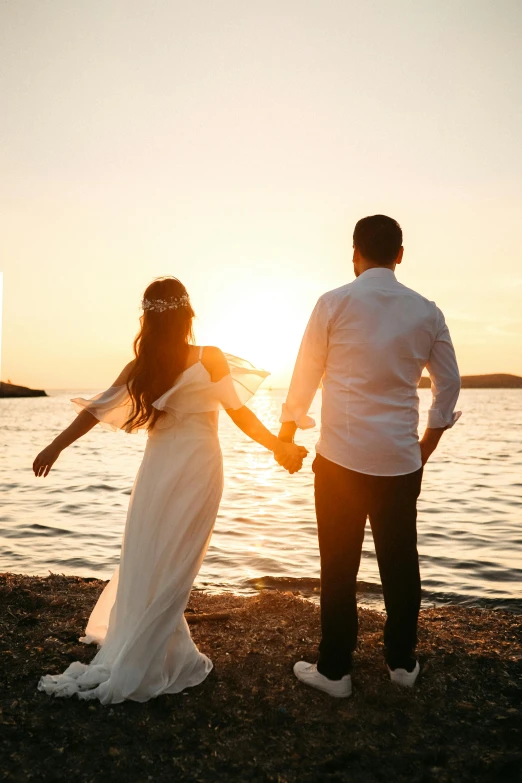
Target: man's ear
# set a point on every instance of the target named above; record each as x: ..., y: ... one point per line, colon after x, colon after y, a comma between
x: 399, y: 256
x: 355, y: 260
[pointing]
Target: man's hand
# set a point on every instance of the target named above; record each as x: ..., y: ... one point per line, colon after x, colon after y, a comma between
x: 290, y: 456
x: 287, y: 431
x: 292, y: 462
x: 429, y: 442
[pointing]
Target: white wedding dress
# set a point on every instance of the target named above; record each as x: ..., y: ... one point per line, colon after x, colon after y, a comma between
x: 145, y: 643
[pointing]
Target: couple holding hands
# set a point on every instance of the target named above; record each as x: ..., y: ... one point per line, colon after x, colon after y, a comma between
x: 368, y: 343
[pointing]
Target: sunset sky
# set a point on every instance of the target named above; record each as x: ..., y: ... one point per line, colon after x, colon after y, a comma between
x: 234, y: 144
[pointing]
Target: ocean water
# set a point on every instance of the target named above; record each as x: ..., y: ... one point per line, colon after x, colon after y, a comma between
x: 470, y: 511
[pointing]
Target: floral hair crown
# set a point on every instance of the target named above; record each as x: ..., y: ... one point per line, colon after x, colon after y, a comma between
x: 160, y: 305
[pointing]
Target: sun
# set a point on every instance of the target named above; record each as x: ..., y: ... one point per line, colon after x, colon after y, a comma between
x: 262, y: 322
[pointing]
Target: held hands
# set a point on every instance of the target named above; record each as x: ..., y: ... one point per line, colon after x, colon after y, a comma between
x: 45, y: 460
x: 290, y: 456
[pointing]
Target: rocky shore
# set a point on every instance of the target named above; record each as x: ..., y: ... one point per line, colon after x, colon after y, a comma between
x: 251, y: 720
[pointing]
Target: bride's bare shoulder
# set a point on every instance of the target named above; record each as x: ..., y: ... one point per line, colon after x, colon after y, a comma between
x: 123, y: 377
x: 213, y: 359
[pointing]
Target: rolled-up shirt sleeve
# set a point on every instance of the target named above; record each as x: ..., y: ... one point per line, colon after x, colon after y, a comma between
x: 309, y: 369
x: 445, y: 379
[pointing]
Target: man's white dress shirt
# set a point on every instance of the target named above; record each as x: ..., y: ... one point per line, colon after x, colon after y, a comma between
x: 369, y: 342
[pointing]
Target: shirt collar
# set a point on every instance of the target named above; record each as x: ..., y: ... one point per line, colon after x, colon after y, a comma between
x: 376, y: 271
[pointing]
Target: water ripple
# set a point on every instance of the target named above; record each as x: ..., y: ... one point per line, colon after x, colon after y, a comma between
x: 72, y: 522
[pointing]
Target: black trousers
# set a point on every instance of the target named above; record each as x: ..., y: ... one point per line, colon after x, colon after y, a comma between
x: 343, y: 501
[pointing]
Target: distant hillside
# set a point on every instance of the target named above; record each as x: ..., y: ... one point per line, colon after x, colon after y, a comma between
x: 11, y: 390
x: 498, y: 381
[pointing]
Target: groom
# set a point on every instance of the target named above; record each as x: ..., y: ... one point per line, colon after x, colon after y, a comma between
x: 369, y: 342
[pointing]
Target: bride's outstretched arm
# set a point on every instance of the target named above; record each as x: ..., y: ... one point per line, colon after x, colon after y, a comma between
x: 43, y: 463
x: 81, y: 425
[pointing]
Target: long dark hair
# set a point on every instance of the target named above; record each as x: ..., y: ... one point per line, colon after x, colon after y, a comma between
x: 161, y: 348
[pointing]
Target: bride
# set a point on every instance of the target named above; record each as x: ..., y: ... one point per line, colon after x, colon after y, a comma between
x: 174, y: 390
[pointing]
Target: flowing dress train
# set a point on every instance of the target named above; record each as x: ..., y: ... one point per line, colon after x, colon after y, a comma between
x: 145, y: 647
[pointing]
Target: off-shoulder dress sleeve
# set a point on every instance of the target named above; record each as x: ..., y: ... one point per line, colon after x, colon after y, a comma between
x: 112, y: 408
x: 239, y: 386
x: 193, y: 392
x: 196, y: 393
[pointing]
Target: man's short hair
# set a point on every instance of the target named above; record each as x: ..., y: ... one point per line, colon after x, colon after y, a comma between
x: 378, y: 239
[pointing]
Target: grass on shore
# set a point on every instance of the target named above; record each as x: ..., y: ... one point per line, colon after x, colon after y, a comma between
x: 251, y: 720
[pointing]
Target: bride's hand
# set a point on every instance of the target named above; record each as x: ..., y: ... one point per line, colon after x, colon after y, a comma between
x: 290, y: 456
x: 45, y: 460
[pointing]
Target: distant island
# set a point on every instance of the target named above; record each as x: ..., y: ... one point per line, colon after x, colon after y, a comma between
x: 11, y: 390
x: 497, y: 381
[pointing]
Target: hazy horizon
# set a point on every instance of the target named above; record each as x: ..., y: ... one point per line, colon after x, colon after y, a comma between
x: 234, y: 146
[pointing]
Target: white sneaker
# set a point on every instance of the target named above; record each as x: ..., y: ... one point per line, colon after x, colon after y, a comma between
x: 307, y: 673
x: 403, y: 677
